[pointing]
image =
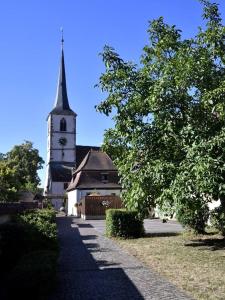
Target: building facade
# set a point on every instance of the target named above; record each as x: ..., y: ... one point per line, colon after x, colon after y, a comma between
x: 96, y: 175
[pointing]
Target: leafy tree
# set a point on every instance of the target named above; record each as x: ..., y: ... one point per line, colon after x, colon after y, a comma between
x: 18, y: 170
x: 169, y: 114
x: 8, y: 182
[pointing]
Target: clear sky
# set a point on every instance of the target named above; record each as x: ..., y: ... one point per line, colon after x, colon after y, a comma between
x: 30, y: 53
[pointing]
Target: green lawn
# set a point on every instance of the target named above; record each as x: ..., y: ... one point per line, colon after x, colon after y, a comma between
x: 195, y: 264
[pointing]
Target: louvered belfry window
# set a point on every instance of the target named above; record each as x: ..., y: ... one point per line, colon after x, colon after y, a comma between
x: 62, y: 124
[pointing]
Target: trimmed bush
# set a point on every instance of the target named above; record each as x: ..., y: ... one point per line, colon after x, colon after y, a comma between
x: 123, y: 223
x: 34, y: 276
x: 217, y: 219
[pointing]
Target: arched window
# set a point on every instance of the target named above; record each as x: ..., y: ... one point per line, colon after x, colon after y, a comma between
x: 62, y: 124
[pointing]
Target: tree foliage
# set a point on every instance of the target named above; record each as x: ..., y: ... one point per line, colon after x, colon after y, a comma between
x: 169, y: 114
x: 18, y: 170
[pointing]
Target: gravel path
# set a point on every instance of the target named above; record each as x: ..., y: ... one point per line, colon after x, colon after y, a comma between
x: 92, y: 266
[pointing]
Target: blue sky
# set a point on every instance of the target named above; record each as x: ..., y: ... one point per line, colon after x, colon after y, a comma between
x: 30, y: 52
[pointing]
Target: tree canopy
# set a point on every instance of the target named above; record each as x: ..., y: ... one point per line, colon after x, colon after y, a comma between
x: 18, y: 170
x: 169, y: 113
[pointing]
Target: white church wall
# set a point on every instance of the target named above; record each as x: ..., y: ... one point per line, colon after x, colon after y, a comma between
x: 57, y: 203
x: 69, y: 155
x: 70, y: 122
x: 57, y: 194
x: 48, y: 138
x: 69, y: 137
x: 58, y: 188
x: 71, y: 201
x: 54, y: 149
x: 58, y: 152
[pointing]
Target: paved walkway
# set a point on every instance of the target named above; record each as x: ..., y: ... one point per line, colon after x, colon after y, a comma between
x: 93, y: 267
x: 151, y: 226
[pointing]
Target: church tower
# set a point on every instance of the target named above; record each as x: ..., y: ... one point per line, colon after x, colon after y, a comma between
x: 61, y: 142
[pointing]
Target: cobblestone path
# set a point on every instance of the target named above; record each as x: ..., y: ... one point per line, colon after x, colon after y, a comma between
x: 93, y: 267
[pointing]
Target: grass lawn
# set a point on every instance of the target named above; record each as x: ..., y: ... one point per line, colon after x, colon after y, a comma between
x: 195, y: 264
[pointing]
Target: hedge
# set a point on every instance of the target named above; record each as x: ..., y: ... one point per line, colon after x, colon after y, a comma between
x: 123, y: 223
x: 28, y: 254
x: 40, y: 229
x: 34, y: 276
x: 13, y: 244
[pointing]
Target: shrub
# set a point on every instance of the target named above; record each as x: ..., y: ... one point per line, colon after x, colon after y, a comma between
x: 123, y: 223
x: 34, y: 276
x: 217, y: 219
x: 40, y: 228
x: 194, y: 219
x: 35, y: 216
x: 13, y: 244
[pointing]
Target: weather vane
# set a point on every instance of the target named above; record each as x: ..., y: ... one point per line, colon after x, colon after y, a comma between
x: 62, y: 39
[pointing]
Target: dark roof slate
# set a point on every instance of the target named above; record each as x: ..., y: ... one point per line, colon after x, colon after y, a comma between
x: 92, y: 180
x: 61, y: 101
x: 96, y: 160
x: 89, y: 179
x: 61, y: 172
x: 82, y: 151
x: 89, y: 173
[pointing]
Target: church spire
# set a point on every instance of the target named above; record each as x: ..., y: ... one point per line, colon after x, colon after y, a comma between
x: 61, y: 101
x: 62, y: 39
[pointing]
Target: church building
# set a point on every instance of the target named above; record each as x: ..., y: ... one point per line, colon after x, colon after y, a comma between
x: 63, y: 154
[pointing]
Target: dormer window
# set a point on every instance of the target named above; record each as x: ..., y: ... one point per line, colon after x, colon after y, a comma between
x: 62, y: 124
x: 104, y: 177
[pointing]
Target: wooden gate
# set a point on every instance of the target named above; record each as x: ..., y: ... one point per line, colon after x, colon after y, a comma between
x: 94, y: 207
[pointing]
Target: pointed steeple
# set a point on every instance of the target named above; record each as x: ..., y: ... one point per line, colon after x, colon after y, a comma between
x: 61, y: 101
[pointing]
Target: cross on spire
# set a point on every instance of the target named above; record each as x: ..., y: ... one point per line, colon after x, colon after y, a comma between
x: 62, y: 38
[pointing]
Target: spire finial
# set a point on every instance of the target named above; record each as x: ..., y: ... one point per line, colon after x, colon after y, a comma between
x: 62, y: 39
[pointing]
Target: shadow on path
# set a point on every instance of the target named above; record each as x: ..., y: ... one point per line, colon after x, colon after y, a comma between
x: 83, y: 277
x: 161, y: 234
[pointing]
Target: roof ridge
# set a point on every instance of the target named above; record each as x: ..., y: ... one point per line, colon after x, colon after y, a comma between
x: 83, y: 163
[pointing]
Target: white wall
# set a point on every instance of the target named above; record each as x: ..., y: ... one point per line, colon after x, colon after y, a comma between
x: 54, y: 149
x: 70, y: 122
x: 57, y: 194
x: 69, y: 155
x: 57, y: 203
x: 72, y: 199
x: 47, y: 179
x: 58, y: 188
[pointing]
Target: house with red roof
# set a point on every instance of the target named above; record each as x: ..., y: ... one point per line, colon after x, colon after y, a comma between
x: 95, y: 175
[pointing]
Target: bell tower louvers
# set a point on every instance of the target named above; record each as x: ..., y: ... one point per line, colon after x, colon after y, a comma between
x: 61, y: 142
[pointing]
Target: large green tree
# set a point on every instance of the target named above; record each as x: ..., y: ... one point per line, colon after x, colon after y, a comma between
x: 18, y: 170
x: 169, y: 114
